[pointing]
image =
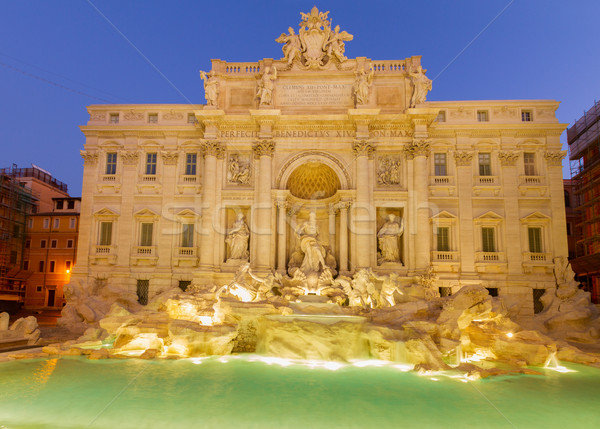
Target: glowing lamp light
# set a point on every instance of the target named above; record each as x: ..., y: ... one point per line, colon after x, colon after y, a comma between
x: 68, y: 271
x: 509, y: 334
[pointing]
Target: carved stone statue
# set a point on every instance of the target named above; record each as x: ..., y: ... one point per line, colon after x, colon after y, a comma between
x: 293, y: 46
x: 389, y: 239
x: 390, y: 284
x: 335, y: 44
x: 237, y: 239
x: 314, y: 252
x: 238, y: 171
x: 362, y: 84
x: 211, y: 87
x: 266, y: 86
x: 421, y: 85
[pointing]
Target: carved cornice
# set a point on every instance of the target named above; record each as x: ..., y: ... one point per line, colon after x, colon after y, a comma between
x: 132, y: 115
x: 213, y: 148
x: 172, y: 115
x: 98, y: 116
x: 169, y: 158
x: 263, y: 148
x: 554, y: 158
x: 508, y: 159
x: 363, y: 147
x: 89, y: 158
x: 463, y: 159
x: 418, y: 147
x: 129, y: 157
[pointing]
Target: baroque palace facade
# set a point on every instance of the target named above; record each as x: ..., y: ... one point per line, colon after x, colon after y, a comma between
x: 174, y: 194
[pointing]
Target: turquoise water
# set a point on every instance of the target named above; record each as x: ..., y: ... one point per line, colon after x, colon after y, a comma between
x: 243, y: 393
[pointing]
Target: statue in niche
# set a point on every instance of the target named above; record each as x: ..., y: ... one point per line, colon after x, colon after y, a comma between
x: 293, y: 46
x: 237, y: 240
x: 389, y: 171
x: 334, y: 46
x: 421, y: 85
x: 362, y: 84
x: 312, y: 263
x: 266, y: 86
x: 211, y: 87
x: 388, y: 238
x: 238, y: 171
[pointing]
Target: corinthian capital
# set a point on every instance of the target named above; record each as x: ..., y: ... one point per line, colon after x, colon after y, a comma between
x: 89, y: 158
x: 363, y: 147
x: 263, y: 148
x: 554, y: 158
x: 463, y: 159
x: 213, y: 148
x: 508, y: 159
x: 418, y: 147
x: 169, y: 158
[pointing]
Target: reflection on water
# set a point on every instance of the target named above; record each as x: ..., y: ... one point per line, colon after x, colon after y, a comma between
x: 254, y: 391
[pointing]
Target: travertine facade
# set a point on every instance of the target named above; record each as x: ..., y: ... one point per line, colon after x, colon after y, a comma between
x: 474, y: 187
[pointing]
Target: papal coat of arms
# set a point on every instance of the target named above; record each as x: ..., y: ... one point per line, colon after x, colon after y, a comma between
x: 316, y: 44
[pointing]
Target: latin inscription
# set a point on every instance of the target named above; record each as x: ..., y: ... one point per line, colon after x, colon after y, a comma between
x: 313, y: 133
x: 319, y: 94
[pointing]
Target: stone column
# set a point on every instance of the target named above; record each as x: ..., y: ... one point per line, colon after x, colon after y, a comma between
x: 263, y: 151
x: 331, y: 227
x: 419, y: 150
x: 211, y: 150
x: 281, y: 236
x: 343, y: 207
x: 169, y: 181
x: 125, y: 234
x: 464, y: 185
x: 557, y: 202
x: 363, y: 214
x: 85, y: 243
x: 510, y: 187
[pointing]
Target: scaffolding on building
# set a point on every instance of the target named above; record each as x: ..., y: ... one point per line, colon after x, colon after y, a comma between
x: 584, y: 154
x: 16, y: 203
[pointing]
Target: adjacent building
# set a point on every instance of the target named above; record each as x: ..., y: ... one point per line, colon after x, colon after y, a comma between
x: 51, y: 252
x: 475, y: 187
x: 584, y: 152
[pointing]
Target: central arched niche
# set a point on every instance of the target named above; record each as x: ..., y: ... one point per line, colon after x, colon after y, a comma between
x: 313, y: 180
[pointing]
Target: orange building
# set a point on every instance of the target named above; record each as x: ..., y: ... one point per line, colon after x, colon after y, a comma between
x: 51, y: 249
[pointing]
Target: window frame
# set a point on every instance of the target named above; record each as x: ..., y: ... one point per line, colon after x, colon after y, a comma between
x: 111, y: 164
x: 487, y: 156
x: 151, y: 163
x: 483, y: 116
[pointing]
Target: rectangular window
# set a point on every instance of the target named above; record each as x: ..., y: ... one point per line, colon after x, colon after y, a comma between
x: 190, y: 164
x: 52, y: 266
x: 535, y: 240
x: 41, y: 266
x: 25, y: 265
x: 72, y: 223
x: 146, y: 234
x: 38, y: 288
x: 53, y: 244
x: 482, y: 116
x: 440, y: 164
x: 485, y: 164
x: 114, y: 118
x: 152, y: 118
x: 42, y: 244
x: 142, y: 291
x: 46, y: 223
x: 441, y: 117
x: 60, y: 204
x: 105, y: 238
x: 68, y: 266
x: 30, y: 223
x: 443, y: 239
x: 568, y: 228
x: 187, y: 235
x: 56, y: 223
x: 529, y: 162
x: 13, y: 257
x: 69, y: 244
x: 191, y: 118
x: 526, y: 116
x: 71, y: 204
x: 111, y: 163
x: 151, y: 163
x: 27, y: 244
x: 488, y: 240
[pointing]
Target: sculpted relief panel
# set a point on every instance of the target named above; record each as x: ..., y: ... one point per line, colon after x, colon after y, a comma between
x: 239, y: 169
x: 389, y: 170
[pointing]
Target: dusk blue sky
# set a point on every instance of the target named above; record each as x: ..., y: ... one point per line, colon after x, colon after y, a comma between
x: 57, y: 57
